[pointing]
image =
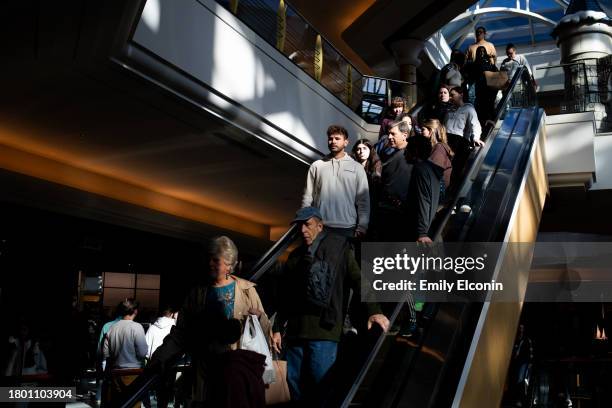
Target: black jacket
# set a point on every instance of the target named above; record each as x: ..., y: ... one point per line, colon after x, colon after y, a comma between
x: 424, y: 197
x: 310, y: 320
x: 395, y: 178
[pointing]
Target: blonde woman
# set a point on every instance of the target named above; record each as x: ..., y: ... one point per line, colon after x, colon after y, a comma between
x: 440, y: 152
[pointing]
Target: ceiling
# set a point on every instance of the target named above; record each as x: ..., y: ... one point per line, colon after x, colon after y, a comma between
x: 505, y: 26
x: 387, y: 21
x: 144, y: 147
x: 362, y: 29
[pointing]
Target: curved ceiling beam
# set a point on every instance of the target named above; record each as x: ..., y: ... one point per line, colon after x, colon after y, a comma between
x: 467, y: 28
x: 509, y: 10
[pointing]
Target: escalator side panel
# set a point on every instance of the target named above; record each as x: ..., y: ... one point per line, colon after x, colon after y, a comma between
x: 448, y: 340
x: 483, y: 376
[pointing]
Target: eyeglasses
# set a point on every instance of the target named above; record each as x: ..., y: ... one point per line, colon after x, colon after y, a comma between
x: 480, y: 32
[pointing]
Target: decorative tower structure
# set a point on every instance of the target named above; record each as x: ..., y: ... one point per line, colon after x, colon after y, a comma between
x: 584, y: 36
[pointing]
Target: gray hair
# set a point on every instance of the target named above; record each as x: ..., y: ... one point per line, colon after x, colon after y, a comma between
x: 224, y: 247
x: 401, y: 125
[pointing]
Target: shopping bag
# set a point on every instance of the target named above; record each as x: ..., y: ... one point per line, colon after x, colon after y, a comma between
x: 253, y: 339
x: 278, y: 392
x: 496, y: 80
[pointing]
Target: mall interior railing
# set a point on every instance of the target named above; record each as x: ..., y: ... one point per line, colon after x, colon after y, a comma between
x: 283, y: 27
x: 587, y: 87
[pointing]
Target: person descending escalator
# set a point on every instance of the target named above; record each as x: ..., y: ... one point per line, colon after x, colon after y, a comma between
x: 437, y: 109
x: 396, y: 111
x: 221, y: 296
x: 364, y: 153
x: 463, y: 130
x: 315, y: 283
x: 338, y: 186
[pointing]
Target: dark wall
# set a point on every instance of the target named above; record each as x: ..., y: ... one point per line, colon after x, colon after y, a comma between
x: 41, y: 254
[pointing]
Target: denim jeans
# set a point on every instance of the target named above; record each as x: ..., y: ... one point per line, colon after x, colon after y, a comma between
x: 308, y: 361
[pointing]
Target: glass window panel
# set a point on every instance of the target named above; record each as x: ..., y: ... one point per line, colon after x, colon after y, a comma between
x: 119, y: 280
x: 146, y: 281
x: 112, y: 296
x: 148, y: 299
x: 92, y: 284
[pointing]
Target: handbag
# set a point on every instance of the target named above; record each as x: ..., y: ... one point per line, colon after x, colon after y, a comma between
x: 496, y: 80
x: 278, y: 392
x: 253, y: 339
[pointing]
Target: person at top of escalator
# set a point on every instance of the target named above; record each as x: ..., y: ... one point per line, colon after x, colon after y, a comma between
x: 338, y: 186
x: 484, y: 102
x: 451, y: 74
x: 513, y: 62
x: 439, y: 108
x: 481, y: 33
x: 314, y: 298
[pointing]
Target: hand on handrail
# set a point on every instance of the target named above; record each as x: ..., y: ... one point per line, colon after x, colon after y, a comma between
x: 379, y: 319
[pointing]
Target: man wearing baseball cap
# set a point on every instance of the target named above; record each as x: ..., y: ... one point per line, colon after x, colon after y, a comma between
x: 314, y: 294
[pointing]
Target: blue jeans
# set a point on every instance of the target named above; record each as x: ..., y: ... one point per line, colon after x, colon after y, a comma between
x: 308, y: 361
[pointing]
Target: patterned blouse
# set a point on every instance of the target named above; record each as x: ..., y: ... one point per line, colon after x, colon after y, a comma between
x: 221, y: 300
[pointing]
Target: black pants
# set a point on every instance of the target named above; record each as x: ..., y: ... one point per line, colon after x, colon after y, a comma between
x: 461, y: 147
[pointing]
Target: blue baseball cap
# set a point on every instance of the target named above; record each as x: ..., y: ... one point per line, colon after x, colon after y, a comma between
x: 306, y: 213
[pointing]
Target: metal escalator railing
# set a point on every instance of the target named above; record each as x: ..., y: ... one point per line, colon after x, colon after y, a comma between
x: 271, y: 256
x: 489, y: 220
x: 283, y: 27
x: 446, y: 230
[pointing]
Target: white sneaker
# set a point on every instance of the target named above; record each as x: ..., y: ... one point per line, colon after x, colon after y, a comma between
x: 465, y: 208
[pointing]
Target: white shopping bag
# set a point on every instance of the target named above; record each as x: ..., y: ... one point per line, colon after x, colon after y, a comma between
x: 253, y: 339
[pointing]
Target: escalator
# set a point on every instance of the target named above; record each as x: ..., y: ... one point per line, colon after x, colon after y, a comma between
x: 461, y: 357
x: 504, y: 188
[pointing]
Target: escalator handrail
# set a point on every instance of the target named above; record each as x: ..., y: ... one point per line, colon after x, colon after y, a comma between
x: 267, y: 259
x: 472, y: 167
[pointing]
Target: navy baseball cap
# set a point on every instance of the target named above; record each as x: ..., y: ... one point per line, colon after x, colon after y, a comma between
x: 306, y: 213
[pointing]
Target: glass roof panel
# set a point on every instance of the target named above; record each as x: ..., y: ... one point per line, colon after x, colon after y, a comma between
x: 513, y: 24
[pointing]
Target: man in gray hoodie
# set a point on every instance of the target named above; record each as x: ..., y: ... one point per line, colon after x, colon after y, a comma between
x: 338, y: 186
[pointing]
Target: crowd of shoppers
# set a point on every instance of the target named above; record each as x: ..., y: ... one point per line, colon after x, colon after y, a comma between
x: 384, y: 190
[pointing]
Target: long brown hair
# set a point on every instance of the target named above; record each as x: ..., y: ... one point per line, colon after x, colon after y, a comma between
x: 373, y: 159
x: 438, y: 133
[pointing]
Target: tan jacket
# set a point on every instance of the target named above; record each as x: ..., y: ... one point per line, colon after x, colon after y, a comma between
x: 246, y: 297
